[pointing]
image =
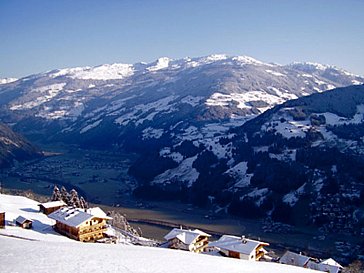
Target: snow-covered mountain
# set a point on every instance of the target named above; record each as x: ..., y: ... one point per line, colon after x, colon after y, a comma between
x: 306, y: 154
x: 179, y: 115
x: 167, y: 98
x: 7, y: 80
x: 299, y: 163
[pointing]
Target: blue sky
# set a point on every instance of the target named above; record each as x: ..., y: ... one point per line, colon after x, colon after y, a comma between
x: 40, y: 35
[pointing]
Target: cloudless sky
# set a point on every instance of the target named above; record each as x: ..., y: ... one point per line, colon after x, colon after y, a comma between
x: 40, y: 35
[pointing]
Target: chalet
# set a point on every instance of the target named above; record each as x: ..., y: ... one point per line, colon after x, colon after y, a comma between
x: 240, y: 247
x: 2, y: 219
x: 24, y: 222
x: 329, y: 265
x: 295, y: 259
x: 49, y: 207
x: 324, y: 267
x: 84, y: 225
x: 191, y: 240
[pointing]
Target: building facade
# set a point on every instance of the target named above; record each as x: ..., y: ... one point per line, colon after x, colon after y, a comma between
x: 240, y: 247
x: 80, y: 224
x: 190, y: 240
x: 49, y: 207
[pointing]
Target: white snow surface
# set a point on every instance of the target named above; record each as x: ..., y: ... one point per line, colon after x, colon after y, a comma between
x: 152, y: 133
x: 239, y: 173
x: 161, y: 63
x: 242, y: 100
x: 289, y: 128
x: 41, y: 257
x: 42, y: 250
x: 45, y: 93
x: 7, y: 80
x: 292, y: 197
x: 42, y: 230
x: 184, y: 173
x: 274, y: 73
x: 102, y: 72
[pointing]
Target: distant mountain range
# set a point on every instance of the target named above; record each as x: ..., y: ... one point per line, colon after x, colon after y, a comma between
x: 203, y: 129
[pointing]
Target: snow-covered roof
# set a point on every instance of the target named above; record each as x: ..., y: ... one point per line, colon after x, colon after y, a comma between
x: 74, y: 217
x: 323, y: 267
x: 296, y: 259
x: 21, y: 220
x: 331, y: 261
x: 97, y: 212
x: 237, y: 244
x: 52, y: 204
x: 185, y: 236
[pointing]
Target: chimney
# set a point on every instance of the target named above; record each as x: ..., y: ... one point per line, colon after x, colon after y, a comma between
x: 243, y: 240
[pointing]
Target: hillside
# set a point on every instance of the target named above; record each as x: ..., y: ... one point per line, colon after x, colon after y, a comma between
x: 14, y: 147
x: 42, y: 250
x: 218, y: 132
x: 169, y: 112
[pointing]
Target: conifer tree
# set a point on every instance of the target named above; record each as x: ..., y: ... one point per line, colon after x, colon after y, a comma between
x: 83, y: 203
x: 56, y: 195
x: 74, y: 201
x: 65, y: 196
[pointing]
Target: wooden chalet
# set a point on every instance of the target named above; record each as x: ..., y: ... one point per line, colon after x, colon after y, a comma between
x: 85, y: 225
x: 49, y: 207
x: 2, y: 219
x: 191, y: 240
x: 295, y: 259
x: 240, y: 247
x: 24, y: 222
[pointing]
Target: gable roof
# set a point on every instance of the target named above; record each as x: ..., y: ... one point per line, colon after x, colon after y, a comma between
x: 97, y: 212
x: 331, y: 261
x: 52, y: 204
x: 185, y: 236
x: 237, y: 244
x: 21, y: 220
x: 296, y: 259
x: 323, y: 267
x: 74, y: 217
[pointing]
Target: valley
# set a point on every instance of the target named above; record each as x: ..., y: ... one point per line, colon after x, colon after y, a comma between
x: 102, y: 177
x: 228, y: 144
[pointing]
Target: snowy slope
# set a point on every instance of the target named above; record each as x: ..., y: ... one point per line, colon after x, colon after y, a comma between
x: 42, y: 225
x: 14, y: 147
x: 80, y: 257
x: 42, y: 250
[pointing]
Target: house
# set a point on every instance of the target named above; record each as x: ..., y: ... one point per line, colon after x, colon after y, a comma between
x: 24, y: 222
x: 332, y: 262
x: 324, y: 267
x: 84, y: 225
x: 191, y: 240
x: 2, y: 219
x: 329, y: 265
x: 295, y: 259
x: 240, y: 247
x: 49, y: 207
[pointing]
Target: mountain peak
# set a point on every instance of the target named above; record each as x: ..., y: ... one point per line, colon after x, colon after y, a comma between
x: 159, y: 64
x: 7, y: 80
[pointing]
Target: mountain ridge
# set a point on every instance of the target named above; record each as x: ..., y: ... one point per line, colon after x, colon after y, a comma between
x: 179, y: 117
